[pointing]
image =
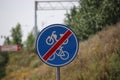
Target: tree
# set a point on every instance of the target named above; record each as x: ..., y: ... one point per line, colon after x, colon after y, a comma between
x: 16, y: 34
x: 7, y: 41
x: 30, y: 42
x: 92, y: 15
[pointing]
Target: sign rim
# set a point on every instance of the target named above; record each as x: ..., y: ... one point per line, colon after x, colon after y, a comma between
x: 50, y: 26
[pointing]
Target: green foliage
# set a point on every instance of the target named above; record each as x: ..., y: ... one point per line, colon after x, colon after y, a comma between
x: 114, y: 67
x: 3, y: 61
x: 92, y: 16
x: 35, y: 64
x: 34, y: 77
x: 7, y: 41
x: 16, y: 34
x: 30, y: 42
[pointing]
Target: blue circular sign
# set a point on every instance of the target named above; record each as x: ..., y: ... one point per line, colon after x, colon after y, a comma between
x: 57, y: 45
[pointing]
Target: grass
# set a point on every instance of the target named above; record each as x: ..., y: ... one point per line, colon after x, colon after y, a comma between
x: 98, y: 59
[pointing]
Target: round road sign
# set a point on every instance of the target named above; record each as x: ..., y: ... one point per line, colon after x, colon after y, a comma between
x: 57, y: 45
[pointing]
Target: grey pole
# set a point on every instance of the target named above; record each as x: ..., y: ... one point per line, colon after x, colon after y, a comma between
x: 57, y: 73
x: 35, y: 27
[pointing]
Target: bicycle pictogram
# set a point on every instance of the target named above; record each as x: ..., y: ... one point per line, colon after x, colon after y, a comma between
x: 53, y: 38
x: 64, y: 55
x: 50, y: 40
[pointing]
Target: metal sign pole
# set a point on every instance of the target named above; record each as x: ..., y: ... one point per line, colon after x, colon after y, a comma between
x: 57, y: 73
x: 35, y: 27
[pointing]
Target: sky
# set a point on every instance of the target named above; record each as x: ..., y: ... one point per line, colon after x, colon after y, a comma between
x: 13, y: 12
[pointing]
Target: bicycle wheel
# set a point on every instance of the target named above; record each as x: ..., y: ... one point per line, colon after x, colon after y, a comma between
x: 65, y: 42
x: 64, y: 55
x: 49, y: 40
x: 52, y: 57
